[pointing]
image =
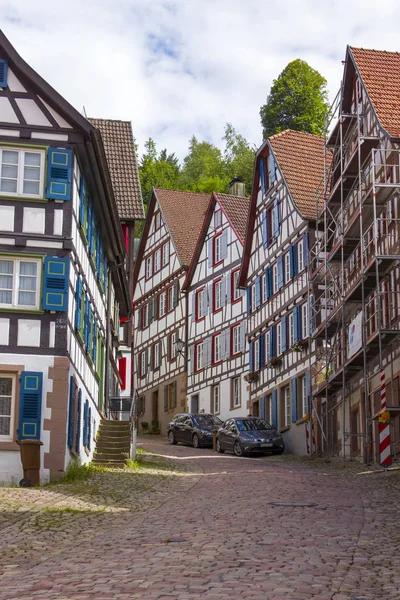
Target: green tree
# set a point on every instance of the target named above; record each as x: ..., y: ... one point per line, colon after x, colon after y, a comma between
x: 239, y: 156
x: 204, y: 169
x: 298, y: 100
x: 157, y: 170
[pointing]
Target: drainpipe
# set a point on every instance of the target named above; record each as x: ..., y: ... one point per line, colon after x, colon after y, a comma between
x: 107, y: 358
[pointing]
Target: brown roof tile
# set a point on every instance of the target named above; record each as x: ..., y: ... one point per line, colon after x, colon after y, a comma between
x: 380, y: 72
x: 236, y: 209
x: 120, y: 152
x: 184, y: 213
x: 301, y: 159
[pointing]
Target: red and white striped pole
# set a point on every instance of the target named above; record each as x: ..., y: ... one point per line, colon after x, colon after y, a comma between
x: 384, y: 428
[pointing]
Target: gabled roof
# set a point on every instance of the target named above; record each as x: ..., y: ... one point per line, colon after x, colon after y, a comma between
x: 380, y: 72
x: 301, y: 160
x: 121, y: 158
x: 236, y: 209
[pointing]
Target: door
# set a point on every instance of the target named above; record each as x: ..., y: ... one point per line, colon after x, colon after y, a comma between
x: 355, y: 446
x: 154, y: 410
x: 194, y: 403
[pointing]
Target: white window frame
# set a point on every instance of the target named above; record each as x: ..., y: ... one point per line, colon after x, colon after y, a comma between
x: 145, y: 318
x: 173, y: 349
x: 236, y: 339
x: 275, y: 278
x: 143, y: 363
x: 162, y: 304
x: 300, y: 256
x: 236, y: 392
x: 16, y: 282
x: 257, y: 354
x: 267, y: 339
x: 217, y: 249
x: 20, y: 171
x: 291, y: 329
x: 217, y: 218
x: 287, y: 267
x: 218, y: 295
x: 199, y: 304
x: 217, y: 347
x: 9, y: 437
x: 264, y: 295
x: 279, y: 339
x: 149, y: 264
x: 253, y: 298
x: 287, y: 401
x: 216, y: 399
x: 170, y: 298
x: 157, y: 354
x: 165, y: 254
x: 304, y: 402
x: 304, y: 321
x: 236, y: 291
x: 157, y: 260
x: 199, y: 356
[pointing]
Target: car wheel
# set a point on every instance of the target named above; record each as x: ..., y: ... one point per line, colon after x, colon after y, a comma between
x: 237, y: 449
x: 280, y: 451
x: 196, y: 441
x: 171, y: 438
x: 218, y: 447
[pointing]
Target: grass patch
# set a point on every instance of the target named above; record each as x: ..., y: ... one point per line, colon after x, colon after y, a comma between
x: 77, y: 472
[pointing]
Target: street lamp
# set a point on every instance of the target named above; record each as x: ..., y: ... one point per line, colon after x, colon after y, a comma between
x: 180, y: 345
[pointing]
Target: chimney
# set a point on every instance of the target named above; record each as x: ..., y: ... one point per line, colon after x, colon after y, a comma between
x: 237, y: 187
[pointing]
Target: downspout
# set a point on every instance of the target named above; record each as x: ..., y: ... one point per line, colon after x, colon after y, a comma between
x: 108, y: 332
x: 186, y: 357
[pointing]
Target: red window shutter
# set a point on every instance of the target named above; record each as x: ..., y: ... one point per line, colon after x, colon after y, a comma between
x: 125, y: 233
x: 122, y: 372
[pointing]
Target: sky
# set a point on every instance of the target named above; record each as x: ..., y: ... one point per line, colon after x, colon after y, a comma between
x: 177, y: 68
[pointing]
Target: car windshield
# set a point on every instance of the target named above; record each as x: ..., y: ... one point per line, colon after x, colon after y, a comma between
x: 252, y: 425
x: 208, y: 421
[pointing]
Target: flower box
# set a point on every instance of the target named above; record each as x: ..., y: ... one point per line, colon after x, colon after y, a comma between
x: 274, y: 361
x: 299, y: 345
x: 250, y: 377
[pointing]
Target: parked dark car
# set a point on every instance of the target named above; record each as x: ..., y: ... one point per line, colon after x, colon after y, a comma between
x: 194, y: 429
x: 249, y: 435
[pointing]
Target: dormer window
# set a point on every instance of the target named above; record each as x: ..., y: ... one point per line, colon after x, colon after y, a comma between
x: 22, y: 172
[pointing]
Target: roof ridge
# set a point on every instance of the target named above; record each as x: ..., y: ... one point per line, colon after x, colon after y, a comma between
x: 286, y: 131
x: 182, y: 191
x: 108, y: 119
x: 375, y: 50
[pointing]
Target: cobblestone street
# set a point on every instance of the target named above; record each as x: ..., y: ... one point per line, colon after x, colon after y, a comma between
x: 211, y: 528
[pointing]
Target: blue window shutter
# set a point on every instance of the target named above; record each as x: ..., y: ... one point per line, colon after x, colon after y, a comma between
x: 251, y: 356
x: 272, y: 337
x: 78, y: 304
x: 296, y: 319
x: 272, y: 169
x: 262, y: 175
x: 249, y: 300
x: 294, y: 399
x: 90, y: 328
x: 89, y: 428
x: 78, y: 422
x: 210, y: 252
x: 105, y: 272
x: 86, y: 324
x: 99, y: 253
x: 257, y: 288
x: 293, y: 260
x: 276, y: 217
x: 82, y: 200
x: 30, y: 405
x: 59, y: 173
x: 308, y: 389
x: 94, y: 344
x: 261, y: 349
x: 3, y: 72
x: 284, y: 333
x: 274, y: 415
x: 262, y: 407
x: 268, y: 275
x: 280, y: 272
x: 90, y: 224
x: 55, y: 283
x: 305, y: 249
x: 85, y: 424
x: 265, y: 229
x: 72, y: 388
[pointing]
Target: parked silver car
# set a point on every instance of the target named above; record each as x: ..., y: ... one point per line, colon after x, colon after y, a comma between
x: 249, y: 435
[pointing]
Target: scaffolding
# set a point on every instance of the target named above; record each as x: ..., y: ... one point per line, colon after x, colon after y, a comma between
x: 352, y: 275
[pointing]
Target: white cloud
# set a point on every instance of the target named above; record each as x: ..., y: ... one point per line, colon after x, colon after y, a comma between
x: 182, y: 67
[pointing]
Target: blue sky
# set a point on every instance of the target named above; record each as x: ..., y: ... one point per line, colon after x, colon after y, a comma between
x: 181, y: 67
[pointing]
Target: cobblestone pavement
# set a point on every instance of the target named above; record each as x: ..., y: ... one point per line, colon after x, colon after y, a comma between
x: 215, y: 529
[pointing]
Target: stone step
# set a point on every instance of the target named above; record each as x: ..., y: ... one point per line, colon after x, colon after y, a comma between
x: 105, y: 422
x: 111, y: 449
x: 109, y: 461
x: 111, y: 457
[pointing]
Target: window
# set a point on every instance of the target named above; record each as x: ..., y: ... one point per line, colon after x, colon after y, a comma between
x: 165, y: 254
x: 235, y: 339
x: 22, y: 172
x: 264, y: 294
x: 215, y: 391
x: 157, y: 260
x: 253, y: 298
x: 257, y: 354
x: 236, y: 397
x: 19, y: 283
x: 143, y: 363
x: 142, y: 405
x: 279, y: 339
x: 286, y: 395
x: 236, y: 293
x: 218, y: 249
x: 275, y: 278
x: 157, y: 356
x: 304, y: 400
x: 217, y: 219
x: 157, y: 220
x: 199, y: 304
x: 145, y: 317
x: 7, y: 399
x: 291, y: 330
x: 300, y: 256
x: 287, y: 267
x: 216, y: 349
x: 267, y: 346
x: 198, y: 356
x: 148, y: 267
x: 217, y: 295
x: 304, y: 320
x: 162, y: 304
x: 170, y: 298
x: 173, y: 351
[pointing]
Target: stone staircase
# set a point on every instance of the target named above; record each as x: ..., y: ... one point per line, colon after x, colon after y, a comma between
x: 113, y: 444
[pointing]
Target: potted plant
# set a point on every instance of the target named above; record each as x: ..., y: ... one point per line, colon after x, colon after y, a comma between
x: 155, y: 428
x: 299, y: 345
x: 145, y: 425
x: 274, y: 361
x: 251, y: 376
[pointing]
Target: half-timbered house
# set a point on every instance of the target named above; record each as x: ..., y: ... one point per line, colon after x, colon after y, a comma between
x: 173, y: 223
x: 63, y: 284
x: 289, y: 169
x: 218, y: 352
